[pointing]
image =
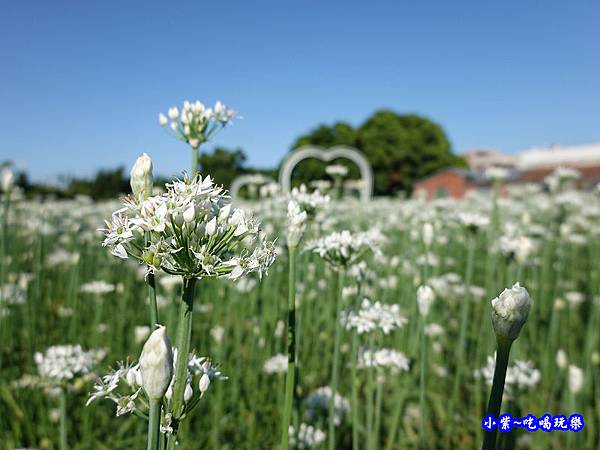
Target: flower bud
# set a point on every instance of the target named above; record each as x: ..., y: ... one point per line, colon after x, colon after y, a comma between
x: 509, y: 312
x: 162, y: 120
x: 425, y: 297
x: 428, y: 234
x: 141, y: 177
x: 204, y: 384
x: 156, y: 364
x: 7, y: 180
x: 575, y: 379
x: 296, y: 223
x: 561, y: 359
x: 187, y: 394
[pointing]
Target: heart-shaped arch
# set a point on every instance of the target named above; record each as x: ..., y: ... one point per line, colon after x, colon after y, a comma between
x: 302, y: 153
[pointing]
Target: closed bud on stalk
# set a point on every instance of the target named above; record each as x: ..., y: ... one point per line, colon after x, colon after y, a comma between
x: 296, y: 223
x: 187, y: 394
x: 510, y: 311
x: 7, y: 179
x: 156, y: 364
x: 427, y: 234
x: 561, y: 359
x: 141, y: 177
x: 203, y: 384
x: 575, y: 379
x: 425, y: 297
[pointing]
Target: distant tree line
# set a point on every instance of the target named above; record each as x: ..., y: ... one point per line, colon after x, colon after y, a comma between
x: 401, y: 149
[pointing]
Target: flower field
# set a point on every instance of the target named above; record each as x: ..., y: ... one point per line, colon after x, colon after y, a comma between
x: 304, y: 320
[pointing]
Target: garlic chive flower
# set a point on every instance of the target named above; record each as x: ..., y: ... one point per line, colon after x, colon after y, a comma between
x: 141, y: 177
x: 383, y: 358
x: 123, y: 386
x: 311, y: 202
x: 197, y: 123
x: 342, y: 249
x: 374, y: 316
x: 156, y: 364
x: 510, y: 311
x: 296, y: 223
x: 306, y: 438
x: 193, y: 232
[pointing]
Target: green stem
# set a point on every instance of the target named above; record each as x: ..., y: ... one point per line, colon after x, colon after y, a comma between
x: 378, y: 403
x: 184, y: 333
x: 354, y: 398
x: 291, y: 369
x: 63, y: 420
x: 194, y: 161
x: 151, y: 282
x: 422, y: 405
x: 495, y: 403
x: 336, y: 357
x: 464, y: 319
x: 153, y: 424
x: 369, y: 406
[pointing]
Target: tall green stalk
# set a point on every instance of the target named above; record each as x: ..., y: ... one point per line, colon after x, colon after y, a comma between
x: 153, y: 424
x: 291, y: 332
x: 63, y: 420
x: 422, y: 405
x: 194, y: 161
x: 184, y: 333
x: 354, y: 395
x: 495, y: 402
x: 151, y: 282
x: 464, y: 320
x: 336, y: 358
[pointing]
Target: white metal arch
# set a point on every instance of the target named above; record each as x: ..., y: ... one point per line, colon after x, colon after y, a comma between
x: 339, y: 151
x: 244, y: 180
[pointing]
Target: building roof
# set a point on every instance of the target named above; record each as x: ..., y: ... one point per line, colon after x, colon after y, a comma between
x: 578, y: 156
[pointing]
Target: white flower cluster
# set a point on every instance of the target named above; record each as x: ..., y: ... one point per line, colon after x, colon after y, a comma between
x: 307, y: 437
x: 98, y: 287
x: 317, y: 405
x: 64, y: 362
x: 296, y: 223
x: 561, y: 175
x: 193, y: 232
x: 473, y: 221
x: 383, y: 358
x: 196, y: 123
x: 276, y: 364
x: 514, y: 244
x: 342, y: 249
x: 374, y: 316
x: 521, y: 375
x: 311, y: 202
x: 124, y: 385
x: 496, y: 173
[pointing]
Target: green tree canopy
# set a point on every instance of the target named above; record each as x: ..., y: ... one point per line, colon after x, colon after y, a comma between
x: 401, y: 148
x: 223, y: 165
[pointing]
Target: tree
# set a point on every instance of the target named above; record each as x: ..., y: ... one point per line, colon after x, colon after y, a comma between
x: 340, y: 133
x: 401, y: 148
x: 223, y: 165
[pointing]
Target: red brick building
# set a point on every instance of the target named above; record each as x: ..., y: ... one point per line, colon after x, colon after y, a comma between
x: 530, y: 166
x: 448, y: 183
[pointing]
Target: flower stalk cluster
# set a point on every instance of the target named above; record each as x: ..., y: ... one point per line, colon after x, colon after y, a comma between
x: 192, y: 231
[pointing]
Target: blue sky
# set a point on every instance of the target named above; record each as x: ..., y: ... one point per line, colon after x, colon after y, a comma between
x: 81, y: 83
